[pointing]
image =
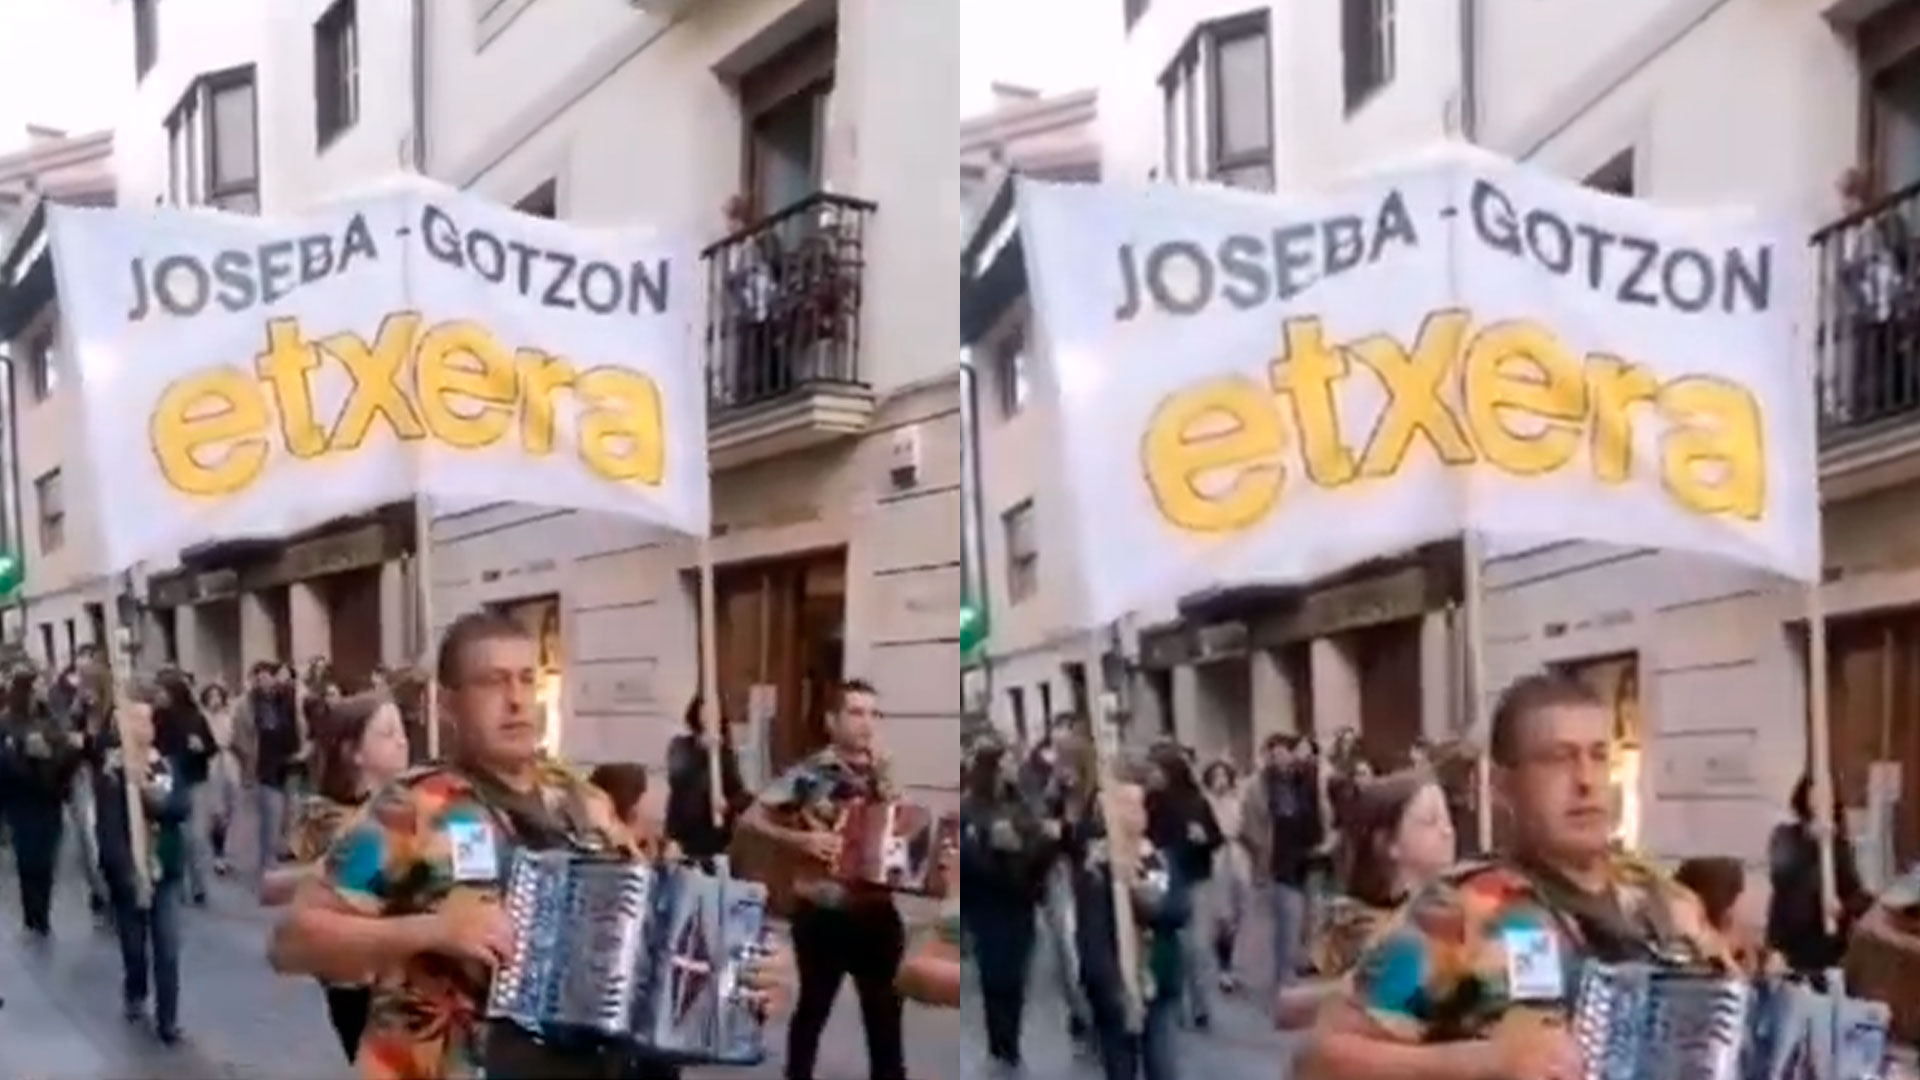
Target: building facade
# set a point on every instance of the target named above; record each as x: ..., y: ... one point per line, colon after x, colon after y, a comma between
x: 1705, y: 664
x: 65, y: 602
x: 1031, y: 665
x: 793, y: 134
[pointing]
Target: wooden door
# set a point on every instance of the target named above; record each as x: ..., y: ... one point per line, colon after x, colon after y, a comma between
x: 1873, y: 698
x: 1388, y: 657
x: 353, y: 617
x: 781, y: 625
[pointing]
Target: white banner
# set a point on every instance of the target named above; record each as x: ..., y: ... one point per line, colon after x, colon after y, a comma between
x: 255, y: 376
x: 1269, y: 390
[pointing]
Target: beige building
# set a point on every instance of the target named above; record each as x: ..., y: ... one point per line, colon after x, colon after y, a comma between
x: 65, y: 603
x: 832, y: 351
x: 1032, y: 666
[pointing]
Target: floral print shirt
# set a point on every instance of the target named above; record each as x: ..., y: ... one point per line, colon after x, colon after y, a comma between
x: 1480, y: 945
x: 424, y: 841
x: 814, y: 791
x: 1347, y: 927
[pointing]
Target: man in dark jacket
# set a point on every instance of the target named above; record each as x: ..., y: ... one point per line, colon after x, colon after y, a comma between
x: 269, y: 732
x: 1005, y: 850
x: 1282, y: 826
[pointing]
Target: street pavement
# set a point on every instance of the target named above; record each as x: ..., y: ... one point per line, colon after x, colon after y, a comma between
x: 1240, y: 1044
x: 61, y: 1018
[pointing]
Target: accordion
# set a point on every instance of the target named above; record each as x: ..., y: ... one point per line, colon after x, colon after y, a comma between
x: 1636, y: 1021
x: 895, y: 845
x: 621, y: 957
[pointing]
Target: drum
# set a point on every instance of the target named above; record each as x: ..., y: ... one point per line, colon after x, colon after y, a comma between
x: 895, y: 845
x: 614, y: 957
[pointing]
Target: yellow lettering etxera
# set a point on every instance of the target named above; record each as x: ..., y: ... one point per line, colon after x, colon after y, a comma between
x: 1511, y: 396
x: 214, y: 433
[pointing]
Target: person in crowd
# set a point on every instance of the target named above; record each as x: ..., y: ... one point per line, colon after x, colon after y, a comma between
x: 1005, y: 849
x: 38, y: 761
x: 1884, y: 955
x: 1232, y: 880
x: 84, y: 715
x: 1181, y: 825
x: 410, y: 687
x: 690, y: 817
x: 222, y: 792
x: 1797, y: 920
x: 839, y: 929
x: 272, y: 737
x: 1399, y: 837
x: 408, y: 896
x: 1056, y: 779
x: 1718, y: 881
x: 183, y: 736
x: 625, y: 784
x: 1472, y: 976
x: 359, y: 749
x: 1283, y: 825
x: 145, y: 899
x: 1129, y: 1051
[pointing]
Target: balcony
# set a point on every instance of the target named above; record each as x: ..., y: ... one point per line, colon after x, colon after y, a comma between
x: 784, y: 300
x: 1867, y: 347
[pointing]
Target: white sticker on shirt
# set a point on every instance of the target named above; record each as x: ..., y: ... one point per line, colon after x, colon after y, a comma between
x: 474, y: 858
x: 1533, y: 965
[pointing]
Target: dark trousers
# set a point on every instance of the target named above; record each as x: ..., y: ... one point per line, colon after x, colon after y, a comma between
x: 37, y: 828
x: 1127, y: 1056
x: 347, y: 1008
x: 829, y: 944
x: 150, y: 949
x: 1003, y: 936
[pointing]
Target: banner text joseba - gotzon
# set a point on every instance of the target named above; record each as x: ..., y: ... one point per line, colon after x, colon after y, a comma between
x: 1213, y: 452
x: 213, y: 433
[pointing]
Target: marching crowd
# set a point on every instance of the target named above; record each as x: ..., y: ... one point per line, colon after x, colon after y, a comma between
x: 1390, y: 955
x: 389, y: 867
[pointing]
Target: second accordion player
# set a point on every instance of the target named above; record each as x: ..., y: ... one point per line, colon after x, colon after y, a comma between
x: 895, y: 845
x: 1637, y: 1021
x: 616, y: 954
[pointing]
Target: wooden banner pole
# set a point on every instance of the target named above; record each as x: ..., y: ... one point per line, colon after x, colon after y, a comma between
x: 1107, y: 760
x: 1473, y: 609
x: 710, y: 714
x: 1820, y: 752
x: 423, y: 602
x: 133, y: 767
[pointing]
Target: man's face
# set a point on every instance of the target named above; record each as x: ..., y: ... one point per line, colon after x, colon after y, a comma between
x: 1279, y: 755
x: 496, y: 705
x: 854, y: 724
x: 1558, y: 784
x: 263, y: 680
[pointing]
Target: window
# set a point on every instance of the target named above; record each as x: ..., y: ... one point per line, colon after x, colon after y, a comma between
x: 43, y: 363
x: 1217, y: 98
x: 1135, y: 9
x: 213, y: 150
x: 1076, y: 673
x: 1010, y: 373
x: 543, y: 201
x: 52, y: 511
x: 1366, y: 45
x: 146, y: 38
x: 784, y: 102
x: 1615, y: 177
x: 1046, y: 703
x: 73, y: 643
x: 1017, y: 705
x: 1023, y: 554
x: 46, y: 646
x: 336, y: 71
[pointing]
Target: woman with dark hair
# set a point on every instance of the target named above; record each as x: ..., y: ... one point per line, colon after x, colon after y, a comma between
x: 1399, y: 836
x: 1718, y: 883
x: 690, y: 818
x: 1796, y: 918
x: 626, y: 786
x: 37, y: 765
x: 183, y: 737
x: 1181, y: 824
x: 359, y: 748
x: 1004, y: 852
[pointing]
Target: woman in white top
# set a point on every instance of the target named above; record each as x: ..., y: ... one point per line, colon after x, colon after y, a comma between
x: 223, y: 777
x: 1232, y: 874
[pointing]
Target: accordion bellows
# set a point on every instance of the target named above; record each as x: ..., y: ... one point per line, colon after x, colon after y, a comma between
x: 609, y: 952
x: 1637, y: 1021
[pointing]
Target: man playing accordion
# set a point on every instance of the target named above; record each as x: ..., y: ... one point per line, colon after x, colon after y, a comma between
x: 1474, y: 977
x: 409, y: 896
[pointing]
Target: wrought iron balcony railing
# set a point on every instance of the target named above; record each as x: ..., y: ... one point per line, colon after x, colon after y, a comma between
x: 1868, y: 343
x: 784, y: 297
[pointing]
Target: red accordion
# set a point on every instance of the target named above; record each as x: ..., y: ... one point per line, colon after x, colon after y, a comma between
x: 897, y: 846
